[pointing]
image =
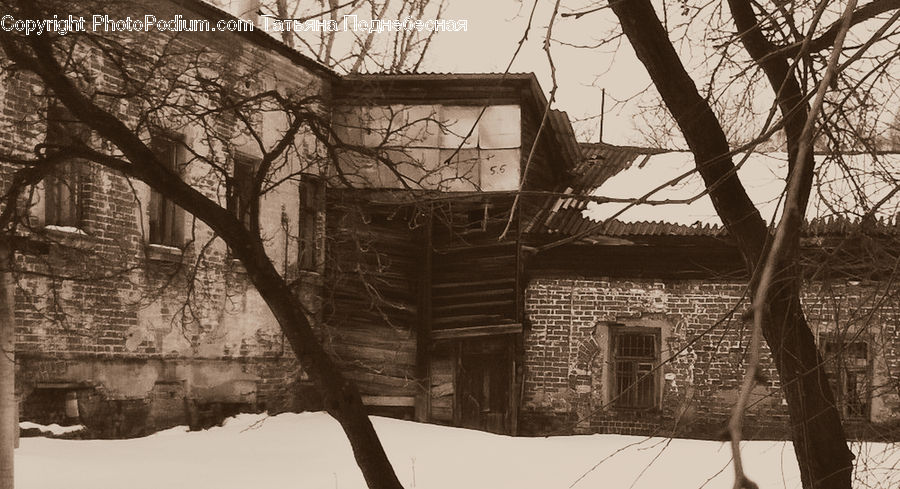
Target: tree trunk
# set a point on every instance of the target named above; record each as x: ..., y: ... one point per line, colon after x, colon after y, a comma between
x: 9, y: 425
x: 818, y: 436
x: 342, y: 400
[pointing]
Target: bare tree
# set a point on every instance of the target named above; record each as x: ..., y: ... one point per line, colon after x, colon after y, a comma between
x: 396, y: 51
x: 794, y: 50
x: 137, y: 93
x: 9, y: 426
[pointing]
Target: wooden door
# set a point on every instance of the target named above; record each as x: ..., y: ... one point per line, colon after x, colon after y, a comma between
x: 483, y: 390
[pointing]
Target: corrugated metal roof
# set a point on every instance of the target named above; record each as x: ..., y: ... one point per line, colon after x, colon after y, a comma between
x: 599, y: 162
x: 658, y: 228
x: 570, y: 224
x: 565, y: 216
x: 603, y: 150
x: 440, y: 75
x: 602, y: 161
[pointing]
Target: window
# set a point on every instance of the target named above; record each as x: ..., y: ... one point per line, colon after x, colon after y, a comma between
x: 241, y: 188
x: 477, y: 219
x: 166, y: 227
x: 847, y: 368
x: 311, y: 201
x: 634, y: 353
x: 454, y: 148
x: 63, y: 187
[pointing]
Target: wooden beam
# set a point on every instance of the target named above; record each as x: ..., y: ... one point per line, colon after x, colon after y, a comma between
x: 499, y: 281
x: 475, y: 331
x: 492, y: 306
x: 405, y: 401
x: 445, y: 297
x: 423, y: 332
x: 473, y: 247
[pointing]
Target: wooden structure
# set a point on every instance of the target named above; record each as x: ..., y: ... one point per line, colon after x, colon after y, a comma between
x: 424, y: 299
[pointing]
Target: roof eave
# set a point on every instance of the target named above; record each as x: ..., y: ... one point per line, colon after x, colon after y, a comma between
x: 258, y: 37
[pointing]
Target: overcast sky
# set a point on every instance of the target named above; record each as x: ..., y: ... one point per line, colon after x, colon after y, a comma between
x: 496, y: 26
x: 494, y: 30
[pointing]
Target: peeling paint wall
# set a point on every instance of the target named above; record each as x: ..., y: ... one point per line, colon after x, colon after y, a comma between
x: 148, y: 336
x: 567, y: 367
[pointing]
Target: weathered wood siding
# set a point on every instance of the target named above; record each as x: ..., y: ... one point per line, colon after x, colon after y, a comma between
x: 545, y: 172
x: 371, y: 304
x: 474, y: 276
x: 443, y: 389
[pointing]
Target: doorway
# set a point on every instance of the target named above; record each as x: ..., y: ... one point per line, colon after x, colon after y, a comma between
x: 484, y: 381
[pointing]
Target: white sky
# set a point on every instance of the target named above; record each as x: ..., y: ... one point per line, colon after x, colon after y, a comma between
x: 840, y: 192
x: 495, y: 27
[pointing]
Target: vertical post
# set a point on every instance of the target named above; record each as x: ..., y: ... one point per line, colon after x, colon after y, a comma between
x: 423, y: 333
x: 9, y: 426
x: 517, y: 343
x: 602, y: 112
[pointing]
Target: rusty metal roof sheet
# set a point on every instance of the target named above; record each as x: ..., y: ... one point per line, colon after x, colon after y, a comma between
x: 563, y: 216
x: 598, y: 162
x: 571, y: 223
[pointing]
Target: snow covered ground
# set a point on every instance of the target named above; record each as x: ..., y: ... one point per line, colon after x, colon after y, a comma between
x: 54, y: 428
x: 309, y: 451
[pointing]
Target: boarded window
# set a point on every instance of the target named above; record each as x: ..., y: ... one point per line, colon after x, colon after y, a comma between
x: 241, y: 189
x: 500, y: 127
x: 311, y: 200
x: 459, y: 126
x: 166, y: 226
x: 635, y: 353
x: 455, y: 148
x: 847, y: 368
x: 63, y: 187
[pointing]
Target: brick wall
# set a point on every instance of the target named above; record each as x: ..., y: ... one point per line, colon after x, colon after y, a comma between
x: 101, y: 310
x: 567, y: 369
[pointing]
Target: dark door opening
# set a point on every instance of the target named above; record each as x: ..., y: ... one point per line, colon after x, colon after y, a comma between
x: 484, y: 384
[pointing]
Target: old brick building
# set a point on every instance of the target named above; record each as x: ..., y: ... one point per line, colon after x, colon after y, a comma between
x: 584, y: 325
x: 129, y: 315
x: 636, y: 326
x: 451, y: 265
x: 424, y: 280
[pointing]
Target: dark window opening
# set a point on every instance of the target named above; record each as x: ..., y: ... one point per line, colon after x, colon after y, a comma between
x: 635, y: 353
x: 166, y: 227
x: 477, y: 219
x: 52, y: 405
x: 847, y: 368
x: 63, y: 187
x: 312, y: 192
x: 396, y: 412
x: 241, y: 190
x: 209, y: 414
